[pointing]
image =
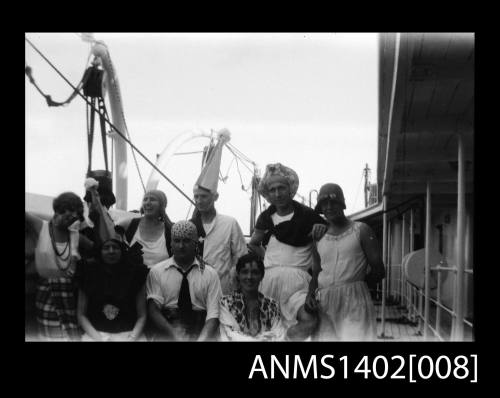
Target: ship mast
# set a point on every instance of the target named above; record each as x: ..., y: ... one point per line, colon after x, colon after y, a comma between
x: 366, y: 175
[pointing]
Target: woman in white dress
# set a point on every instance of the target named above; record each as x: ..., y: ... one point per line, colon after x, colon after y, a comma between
x: 152, y: 230
x: 349, y: 255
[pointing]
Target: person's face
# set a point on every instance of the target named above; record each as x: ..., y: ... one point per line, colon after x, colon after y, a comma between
x: 65, y: 219
x: 249, y: 277
x: 204, y: 200
x: 151, y: 205
x: 184, y: 249
x: 332, y: 209
x: 279, y: 191
x: 111, y: 252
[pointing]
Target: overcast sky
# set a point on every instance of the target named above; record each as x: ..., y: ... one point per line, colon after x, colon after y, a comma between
x: 307, y: 100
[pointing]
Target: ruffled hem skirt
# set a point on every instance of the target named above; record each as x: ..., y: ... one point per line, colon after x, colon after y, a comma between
x: 347, y: 313
x: 289, y: 287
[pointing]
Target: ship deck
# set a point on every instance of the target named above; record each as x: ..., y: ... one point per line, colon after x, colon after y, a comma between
x: 405, y: 325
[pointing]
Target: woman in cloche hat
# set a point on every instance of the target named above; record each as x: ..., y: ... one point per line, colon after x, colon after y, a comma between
x: 349, y: 255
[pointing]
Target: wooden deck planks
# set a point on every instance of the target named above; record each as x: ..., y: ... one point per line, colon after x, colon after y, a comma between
x: 396, y: 329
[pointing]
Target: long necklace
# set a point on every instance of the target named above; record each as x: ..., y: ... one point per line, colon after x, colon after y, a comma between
x: 59, y: 256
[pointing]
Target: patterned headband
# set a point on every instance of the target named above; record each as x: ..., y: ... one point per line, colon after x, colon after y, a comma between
x: 185, y: 229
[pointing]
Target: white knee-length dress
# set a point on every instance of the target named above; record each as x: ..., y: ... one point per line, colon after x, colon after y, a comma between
x: 347, y: 310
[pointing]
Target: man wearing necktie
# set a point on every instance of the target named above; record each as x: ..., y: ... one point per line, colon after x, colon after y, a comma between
x: 183, y: 293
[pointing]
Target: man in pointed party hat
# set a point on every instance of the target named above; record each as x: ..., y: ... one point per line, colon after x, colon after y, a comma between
x: 221, y: 238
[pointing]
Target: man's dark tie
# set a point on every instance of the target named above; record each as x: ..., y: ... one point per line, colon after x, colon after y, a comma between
x: 184, y: 301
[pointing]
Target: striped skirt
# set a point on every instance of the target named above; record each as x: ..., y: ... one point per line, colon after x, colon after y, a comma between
x: 56, y: 310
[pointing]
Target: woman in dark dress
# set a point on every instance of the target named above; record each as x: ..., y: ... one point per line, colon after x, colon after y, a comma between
x: 111, y: 295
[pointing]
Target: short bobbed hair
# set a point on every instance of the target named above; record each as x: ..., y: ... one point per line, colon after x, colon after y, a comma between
x: 68, y: 201
x: 249, y: 258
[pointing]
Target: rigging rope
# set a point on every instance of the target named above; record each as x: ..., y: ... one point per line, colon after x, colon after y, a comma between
x: 133, y: 155
x: 50, y: 102
x: 229, y: 168
x: 102, y: 111
x: 232, y: 151
x: 241, y: 154
x: 241, y: 179
x: 90, y: 132
x: 110, y: 123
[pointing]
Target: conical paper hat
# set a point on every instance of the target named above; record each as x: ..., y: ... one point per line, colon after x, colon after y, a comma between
x: 209, y: 176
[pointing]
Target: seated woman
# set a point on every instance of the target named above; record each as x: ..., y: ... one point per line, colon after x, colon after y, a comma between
x: 152, y: 230
x: 246, y: 314
x: 112, y: 295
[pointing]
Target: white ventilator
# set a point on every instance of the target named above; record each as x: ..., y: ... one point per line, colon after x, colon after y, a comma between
x: 111, y: 85
x: 167, y: 153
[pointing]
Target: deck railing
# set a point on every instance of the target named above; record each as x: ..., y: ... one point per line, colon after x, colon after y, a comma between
x: 418, y: 300
x: 413, y: 299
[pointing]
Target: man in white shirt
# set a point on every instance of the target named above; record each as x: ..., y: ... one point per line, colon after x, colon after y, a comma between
x: 223, y: 242
x: 183, y: 293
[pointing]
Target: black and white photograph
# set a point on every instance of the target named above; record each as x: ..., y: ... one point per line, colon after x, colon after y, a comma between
x: 250, y: 187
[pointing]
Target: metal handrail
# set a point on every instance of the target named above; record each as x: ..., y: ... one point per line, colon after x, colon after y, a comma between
x: 451, y: 268
x: 413, y: 298
x: 450, y: 311
x: 417, y: 313
x: 441, y: 268
x: 435, y: 333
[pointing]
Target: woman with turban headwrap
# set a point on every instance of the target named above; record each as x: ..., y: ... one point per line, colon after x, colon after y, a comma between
x: 285, y: 231
x: 152, y: 230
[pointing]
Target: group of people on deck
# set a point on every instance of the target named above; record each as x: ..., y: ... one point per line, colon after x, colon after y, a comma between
x: 302, y: 276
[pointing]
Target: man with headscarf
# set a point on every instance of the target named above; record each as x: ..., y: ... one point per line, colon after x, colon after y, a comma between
x: 183, y: 293
x: 285, y: 231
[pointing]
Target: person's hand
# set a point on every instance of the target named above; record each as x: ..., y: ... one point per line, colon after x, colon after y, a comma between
x: 131, y: 337
x: 180, y: 333
x: 70, y: 271
x: 318, y: 230
x: 91, y: 183
x: 98, y: 337
x: 372, y: 279
x: 311, y: 304
x: 251, y: 249
x: 259, y: 251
